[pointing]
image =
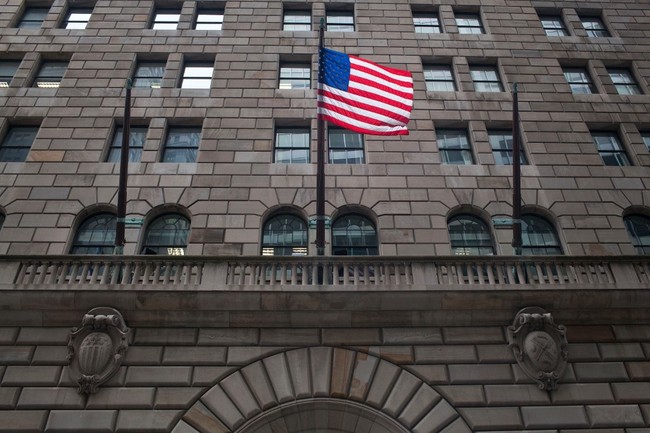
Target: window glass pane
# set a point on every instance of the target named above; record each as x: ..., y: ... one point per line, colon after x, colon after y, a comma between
x: 469, y: 24
x: 167, y: 235
x: 553, y: 26
x: 340, y: 21
x: 182, y: 145
x: 646, y: 139
x: 8, y: 69
x: 624, y: 82
x: 610, y: 149
x: 292, y: 146
x: 439, y: 78
x: 469, y: 236
x: 33, y: 18
x: 50, y: 74
x: 295, y: 77
x: 594, y: 27
x: 197, y: 76
x: 579, y: 80
x: 149, y: 75
x: 354, y: 235
x: 638, y: 228
x: 166, y: 20
x: 137, y: 136
x: 426, y: 22
x: 209, y: 20
x: 538, y: 237
x: 78, y: 19
x: 486, y: 79
x: 284, y: 235
x: 454, y: 147
x: 345, y: 147
x: 96, y: 235
x: 297, y: 21
x: 17, y: 142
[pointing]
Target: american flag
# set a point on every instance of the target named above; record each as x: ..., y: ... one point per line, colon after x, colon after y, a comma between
x: 362, y: 96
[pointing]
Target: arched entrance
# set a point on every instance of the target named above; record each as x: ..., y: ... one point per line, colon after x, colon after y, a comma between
x: 318, y: 390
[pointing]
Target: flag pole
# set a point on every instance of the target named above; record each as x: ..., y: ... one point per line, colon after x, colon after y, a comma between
x: 120, y: 238
x: 320, y: 163
x: 516, y: 175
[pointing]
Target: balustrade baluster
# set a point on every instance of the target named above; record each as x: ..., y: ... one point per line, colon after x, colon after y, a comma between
x: 33, y: 266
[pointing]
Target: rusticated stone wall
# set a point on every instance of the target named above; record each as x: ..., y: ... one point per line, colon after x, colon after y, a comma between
x: 449, y: 379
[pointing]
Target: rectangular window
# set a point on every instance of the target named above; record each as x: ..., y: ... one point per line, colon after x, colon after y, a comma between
x: 340, y: 21
x: 454, y: 147
x: 197, y: 76
x: 469, y: 24
x: 646, y: 139
x: 295, y: 76
x: 610, y: 148
x: 149, y: 75
x: 345, y: 147
x: 166, y: 19
x: 77, y: 18
x: 579, y: 80
x: 33, y: 18
x: 426, y: 22
x: 501, y: 142
x: 292, y: 146
x: 8, y: 69
x: 296, y: 20
x: 553, y: 25
x: 182, y: 144
x: 209, y: 20
x: 594, y: 27
x: 50, y: 74
x: 485, y: 78
x: 17, y: 142
x: 624, y: 81
x: 137, y: 135
x: 439, y: 78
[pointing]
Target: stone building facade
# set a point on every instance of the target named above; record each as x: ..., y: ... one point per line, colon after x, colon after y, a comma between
x: 415, y: 339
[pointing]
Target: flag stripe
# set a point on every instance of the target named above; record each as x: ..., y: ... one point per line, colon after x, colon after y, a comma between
x: 362, y: 96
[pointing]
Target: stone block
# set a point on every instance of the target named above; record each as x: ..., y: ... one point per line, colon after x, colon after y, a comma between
x: 382, y: 383
x: 278, y: 373
x: 463, y: 395
x: 293, y: 337
x: 320, y: 359
x: 603, y: 416
x: 221, y: 405
x: 494, y: 353
x: 146, y: 421
x: 405, y: 386
x: 480, y: 373
x: 431, y: 374
x: 50, y: 398
x: 584, y: 352
x: 473, y: 335
x: 188, y: 355
x: 31, y: 375
x: 422, y: 401
x: 600, y: 371
x: 47, y: 336
x: 82, y: 421
x: 447, y: 354
x: 122, y: 398
x: 364, y: 369
x: 246, y: 355
x: 492, y: 418
x: 554, y: 417
x: 240, y: 394
x: 50, y: 355
x: 204, y: 420
x: 632, y: 332
x: 228, y: 336
x: 342, y: 367
x: 441, y: 414
x: 183, y: 427
x: 15, y: 355
x: 621, y: 351
x: 204, y: 376
x: 143, y: 355
x: 639, y: 370
x: 8, y: 397
x: 257, y: 376
x: 158, y: 376
x: 588, y: 334
x: 176, y: 398
x: 583, y: 393
x: 369, y: 336
x: 412, y: 335
x: 632, y: 392
x: 22, y: 421
x: 8, y: 335
x: 165, y: 336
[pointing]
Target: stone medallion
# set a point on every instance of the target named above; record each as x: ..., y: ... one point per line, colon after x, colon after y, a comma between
x: 539, y: 346
x: 97, y: 348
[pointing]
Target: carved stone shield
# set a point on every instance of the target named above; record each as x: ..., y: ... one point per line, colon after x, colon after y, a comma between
x: 96, y: 349
x: 539, y: 346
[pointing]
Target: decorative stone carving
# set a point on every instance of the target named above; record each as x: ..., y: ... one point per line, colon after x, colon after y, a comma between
x: 97, y: 348
x: 539, y: 346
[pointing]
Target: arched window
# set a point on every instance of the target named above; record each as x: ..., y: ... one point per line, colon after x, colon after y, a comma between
x: 95, y: 235
x: 284, y: 235
x: 538, y: 237
x: 167, y: 235
x: 354, y: 235
x: 638, y: 227
x: 2, y: 220
x: 469, y: 236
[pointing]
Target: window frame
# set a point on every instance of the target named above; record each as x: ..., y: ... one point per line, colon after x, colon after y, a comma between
x: 6, y: 64
x: 432, y: 81
x: 631, y: 83
x: 6, y: 146
x: 350, y: 246
x: 136, y: 147
x: 192, y: 150
x: 278, y: 149
x: 52, y: 81
x: 486, y: 85
x: 446, y: 150
x: 550, y: 246
x: 586, y: 83
x: 304, y: 26
x: 340, y: 26
x: 140, y: 66
x: 77, y: 11
x: 479, y: 240
x: 204, y: 67
x: 559, y: 30
x: 426, y: 28
x: 618, y: 153
x: 506, y: 153
x: 107, y: 235
x: 25, y: 23
x: 274, y: 240
x: 343, y: 149
x: 218, y: 22
x: 162, y: 24
x: 181, y: 235
x: 645, y: 137
x: 287, y: 79
x: 592, y: 32
x: 468, y: 28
